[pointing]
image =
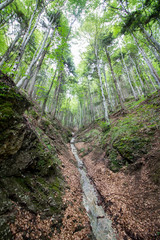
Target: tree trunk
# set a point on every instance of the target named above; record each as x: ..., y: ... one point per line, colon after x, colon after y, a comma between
x: 47, y: 95
x: 103, y: 96
x: 107, y: 89
x: 147, y: 73
x: 56, y: 95
x: 5, y: 4
x: 140, y: 79
x: 27, y: 38
x: 152, y: 69
x: 114, y: 79
x: 91, y: 103
x: 10, y: 48
x: 139, y: 89
x: 120, y: 89
x: 33, y: 79
x: 150, y: 39
x: 34, y: 60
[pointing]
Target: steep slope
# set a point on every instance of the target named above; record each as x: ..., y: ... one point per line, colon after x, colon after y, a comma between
x: 30, y: 175
x: 123, y: 163
x: 36, y: 200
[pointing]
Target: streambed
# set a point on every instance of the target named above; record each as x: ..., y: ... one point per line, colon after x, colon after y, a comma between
x: 100, y: 223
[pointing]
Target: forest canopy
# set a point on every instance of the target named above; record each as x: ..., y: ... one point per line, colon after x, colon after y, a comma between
x: 117, y: 44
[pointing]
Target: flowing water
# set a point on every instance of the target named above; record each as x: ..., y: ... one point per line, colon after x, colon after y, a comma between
x: 100, y: 223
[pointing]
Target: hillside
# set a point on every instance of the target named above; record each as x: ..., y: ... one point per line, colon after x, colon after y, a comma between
x: 32, y: 180
x: 123, y: 162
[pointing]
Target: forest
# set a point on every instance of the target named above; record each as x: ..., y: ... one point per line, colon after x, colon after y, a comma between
x: 85, y: 72
x: 120, y: 60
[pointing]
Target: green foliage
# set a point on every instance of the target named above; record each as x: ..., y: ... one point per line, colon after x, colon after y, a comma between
x: 129, y: 137
x: 104, y: 126
x: 3, y: 43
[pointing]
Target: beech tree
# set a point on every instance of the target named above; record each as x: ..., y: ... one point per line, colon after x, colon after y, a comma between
x: 120, y: 59
x: 5, y: 4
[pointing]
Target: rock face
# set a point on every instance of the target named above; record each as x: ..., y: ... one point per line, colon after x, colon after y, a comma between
x: 30, y: 176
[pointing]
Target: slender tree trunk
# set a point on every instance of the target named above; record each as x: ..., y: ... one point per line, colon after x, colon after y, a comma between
x: 114, y: 79
x: 56, y: 95
x: 139, y: 90
x: 25, y: 41
x: 152, y: 69
x: 107, y: 88
x: 10, y: 48
x: 129, y: 80
x: 155, y: 53
x: 91, y: 103
x: 47, y: 95
x: 34, y: 77
x: 150, y: 80
x: 80, y: 114
x: 140, y: 79
x: 5, y: 4
x: 150, y: 39
x: 34, y: 60
x: 120, y: 89
x: 103, y: 96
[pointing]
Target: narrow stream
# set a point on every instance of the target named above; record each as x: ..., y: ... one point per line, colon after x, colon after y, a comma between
x: 100, y: 223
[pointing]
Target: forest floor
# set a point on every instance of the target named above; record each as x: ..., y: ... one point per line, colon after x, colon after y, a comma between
x: 75, y: 222
x: 130, y: 195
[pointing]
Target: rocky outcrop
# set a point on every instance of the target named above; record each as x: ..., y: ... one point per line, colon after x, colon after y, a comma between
x: 30, y: 176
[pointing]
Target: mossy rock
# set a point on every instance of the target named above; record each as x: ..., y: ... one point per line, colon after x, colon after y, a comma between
x: 116, y: 162
x: 104, y: 126
x: 5, y: 232
x: 12, y: 105
x: 33, y: 113
x: 155, y: 173
x: 35, y: 196
x: 131, y: 148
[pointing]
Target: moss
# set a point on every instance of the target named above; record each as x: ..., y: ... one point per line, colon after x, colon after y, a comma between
x: 30, y: 157
x: 46, y: 159
x: 5, y: 203
x: 9, y: 93
x: 155, y: 175
x: 33, y: 113
x: 6, y: 111
x: 114, y: 164
x: 45, y: 123
x: 104, y: 126
x: 5, y: 232
x: 33, y: 195
x: 131, y: 148
x: 130, y: 136
x: 12, y: 105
